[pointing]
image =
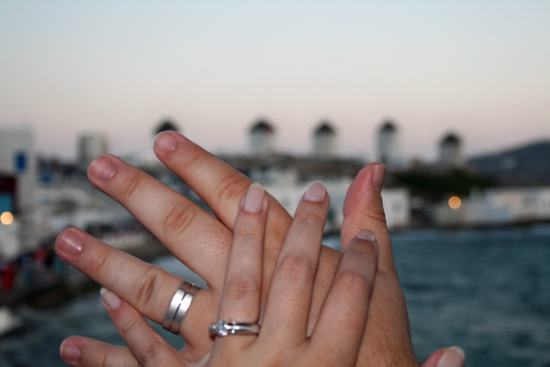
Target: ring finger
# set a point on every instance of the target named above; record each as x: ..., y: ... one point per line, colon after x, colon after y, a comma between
x: 242, y: 289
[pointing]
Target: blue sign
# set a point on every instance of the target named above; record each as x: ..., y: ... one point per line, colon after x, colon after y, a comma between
x: 20, y: 162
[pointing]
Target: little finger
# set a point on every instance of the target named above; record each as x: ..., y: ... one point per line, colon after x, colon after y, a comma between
x: 147, y: 346
x: 78, y: 351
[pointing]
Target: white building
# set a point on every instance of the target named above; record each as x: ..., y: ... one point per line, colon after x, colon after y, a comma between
x: 450, y: 151
x: 17, y: 159
x: 90, y: 146
x: 324, y: 141
x: 262, y: 138
x: 396, y: 200
x: 388, y: 145
x: 10, y: 244
x: 397, y: 207
x: 289, y: 196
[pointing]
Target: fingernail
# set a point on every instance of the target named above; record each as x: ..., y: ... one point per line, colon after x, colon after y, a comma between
x: 102, y: 168
x: 70, y: 352
x: 165, y: 142
x: 70, y: 243
x: 315, y: 192
x: 378, y: 177
x: 111, y: 299
x: 452, y: 357
x: 368, y: 235
x: 253, y: 199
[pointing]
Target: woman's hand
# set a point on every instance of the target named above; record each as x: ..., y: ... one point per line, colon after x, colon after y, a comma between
x: 203, y: 242
x: 283, y: 339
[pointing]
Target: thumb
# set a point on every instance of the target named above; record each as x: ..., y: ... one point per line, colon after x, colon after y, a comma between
x: 363, y: 205
x: 387, y: 331
x: 446, y: 357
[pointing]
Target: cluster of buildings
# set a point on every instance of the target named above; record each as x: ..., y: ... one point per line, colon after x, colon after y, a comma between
x: 40, y: 197
x: 262, y: 137
x: 287, y: 178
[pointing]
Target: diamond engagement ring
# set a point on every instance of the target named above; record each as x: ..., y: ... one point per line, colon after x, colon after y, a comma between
x: 224, y: 328
x: 179, y: 306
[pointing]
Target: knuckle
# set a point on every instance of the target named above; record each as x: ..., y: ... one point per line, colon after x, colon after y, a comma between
x: 232, y: 185
x: 193, y: 160
x: 296, y: 267
x: 150, y: 350
x: 132, y: 186
x: 101, y: 262
x: 327, y: 360
x: 242, y: 286
x: 127, y: 325
x: 147, y: 285
x: 376, y: 215
x: 310, y: 216
x: 248, y: 233
x: 276, y: 360
x: 111, y: 359
x: 104, y: 359
x: 353, y: 283
x: 178, y: 219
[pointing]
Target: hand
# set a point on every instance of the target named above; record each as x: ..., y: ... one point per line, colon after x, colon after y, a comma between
x: 283, y: 339
x: 203, y: 242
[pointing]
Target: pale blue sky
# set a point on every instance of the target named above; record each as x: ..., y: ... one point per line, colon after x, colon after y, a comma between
x: 480, y: 68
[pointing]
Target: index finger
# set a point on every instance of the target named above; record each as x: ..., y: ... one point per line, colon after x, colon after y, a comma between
x: 218, y: 184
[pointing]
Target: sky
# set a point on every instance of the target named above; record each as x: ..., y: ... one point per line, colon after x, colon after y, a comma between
x: 477, y: 68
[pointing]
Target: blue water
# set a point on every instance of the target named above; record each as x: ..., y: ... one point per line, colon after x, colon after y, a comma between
x: 486, y: 291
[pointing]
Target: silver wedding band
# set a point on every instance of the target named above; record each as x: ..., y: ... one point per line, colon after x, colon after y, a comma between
x: 224, y: 328
x: 179, y: 306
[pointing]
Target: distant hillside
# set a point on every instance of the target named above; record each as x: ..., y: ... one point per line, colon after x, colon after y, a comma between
x: 526, y: 165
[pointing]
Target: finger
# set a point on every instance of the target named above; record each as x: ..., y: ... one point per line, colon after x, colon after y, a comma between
x: 147, y: 346
x: 78, y: 351
x: 289, y: 299
x: 191, y: 234
x: 446, y: 357
x: 242, y: 290
x: 388, y: 323
x: 344, y: 313
x: 146, y: 287
x: 218, y: 184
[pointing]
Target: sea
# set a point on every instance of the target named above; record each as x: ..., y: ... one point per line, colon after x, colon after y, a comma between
x: 487, y: 291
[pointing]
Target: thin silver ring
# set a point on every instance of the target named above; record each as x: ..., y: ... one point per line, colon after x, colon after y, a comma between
x: 176, y: 303
x: 224, y: 328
